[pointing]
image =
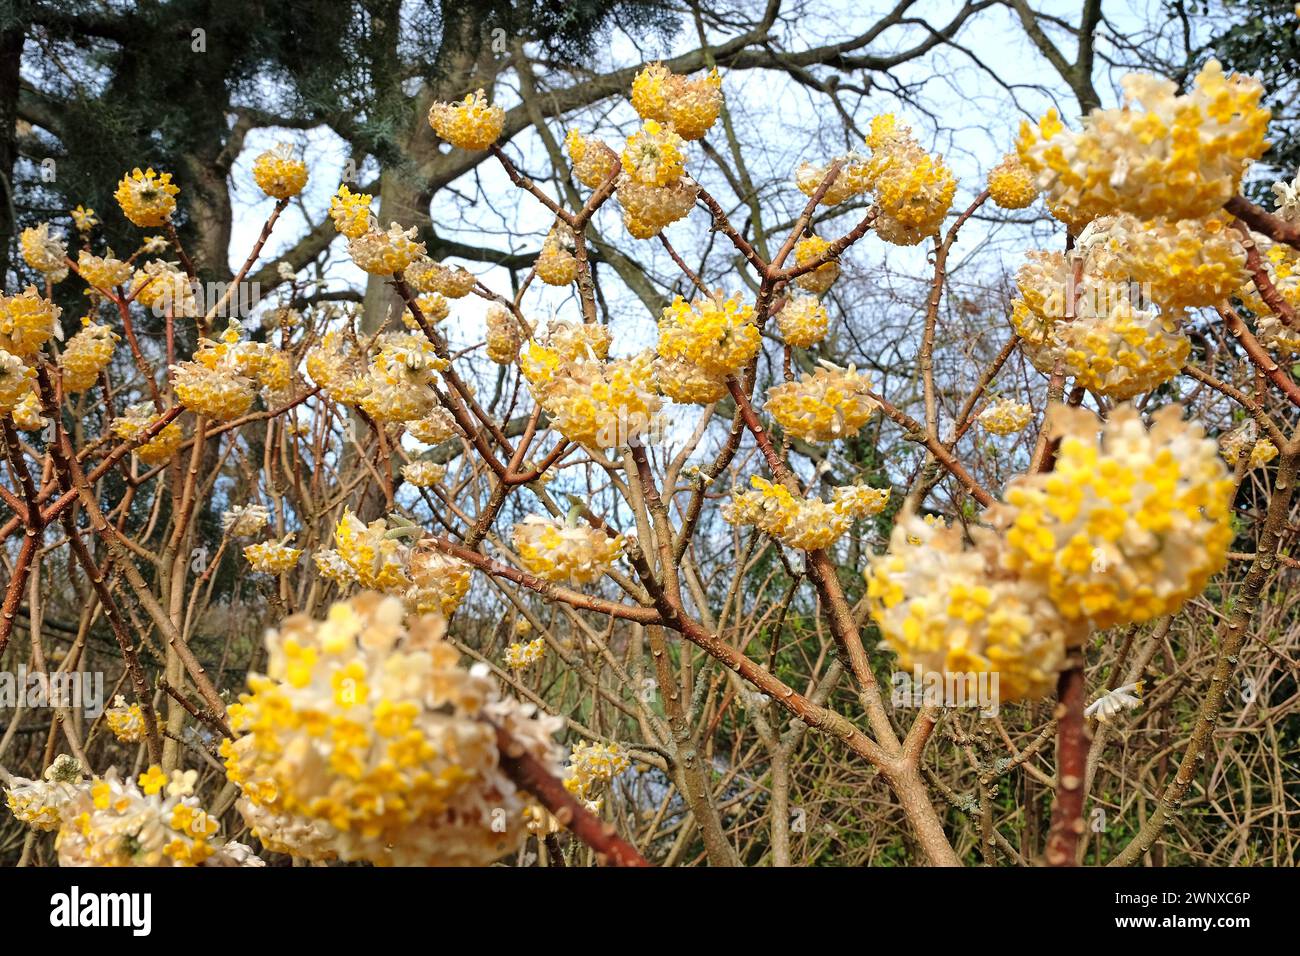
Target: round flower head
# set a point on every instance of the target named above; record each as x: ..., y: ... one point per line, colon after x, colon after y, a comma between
x: 27, y: 321
x: 817, y: 281
x: 860, y: 501
x: 148, y: 198
x: 433, y: 429
x: 399, y: 383
x: 1244, y: 440
x: 438, y: 582
x: 423, y: 474
x: 650, y: 92
x: 946, y: 608
x: 1005, y: 416
x: 454, y: 282
x: 592, y: 767
x: 654, y: 207
x: 806, y: 523
x: 593, y: 161
x: 40, y: 803
x: 385, y: 253
x: 126, y: 721
x: 913, y: 189
x: 244, y: 521
x: 84, y: 219
x: 557, y: 265
x: 563, y: 342
x: 830, y: 403
x: 1159, y: 155
x: 102, y: 272
x: 691, y: 107
x: 27, y: 413
x: 654, y: 155
x: 45, y: 251
x: 220, y: 393
x: 803, y: 321
x: 715, y: 334
x: 551, y: 549
x: 367, y: 741
x: 470, y: 123
x: 132, y: 424
x: 518, y: 656
x: 350, y: 212
x: 373, y: 555
x: 15, y: 381
x: 157, y: 823
x: 1011, y: 184
x: 272, y: 557
x: 687, y: 383
x: 503, y: 338
x: 601, y: 404
x: 161, y: 286
x: 279, y: 174
x: 337, y: 366
x: 1125, y: 530
x: 850, y: 181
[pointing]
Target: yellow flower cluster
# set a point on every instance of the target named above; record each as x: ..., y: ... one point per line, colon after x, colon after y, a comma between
x: 15, y: 380
x: 110, y: 822
x: 1282, y: 265
x: 102, y: 272
x: 1243, y: 439
x: 40, y: 803
x: 912, y: 188
x: 215, y: 383
x: 1108, y: 345
x: 648, y: 209
x: 850, y: 181
x: 434, y: 428
x: 338, y: 367
x: 454, y: 282
x: 803, y: 321
x: 654, y: 155
x: 27, y: 321
x: 593, y: 161
x: 244, y: 521
x: 557, y: 265
x: 555, y: 551
x: 161, y: 286
x: 830, y: 403
x: 470, y: 123
x: 385, y: 253
x: 1005, y: 416
x: 350, y: 212
x: 399, y: 383
x: 147, y: 199
x: 563, y: 342
x: 705, y: 341
x: 367, y: 741
x: 811, y: 249
x: 45, y: 251
x: 1011, y: 184
x: 1159, y: 155
x: 279, y: 174
x: 1127, y: 530
x: 690, y: 107
x: 600, y: 404
x: 272, y: 557
x: 423, y: 474
x: 84, y: 219
x: 1185, y: 264
x: 27, y: 413
x: 520, y: 655
x: 805, y: 523
x: 126, y: 721
x: 592, y: 766
x: 503, y: 338
x: 132, y: 423
x: 947, y: 608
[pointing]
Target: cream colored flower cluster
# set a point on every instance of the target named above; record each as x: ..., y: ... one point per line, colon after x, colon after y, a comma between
x: 803, y: 321
x: 45, y: 251
x: 273, y: 557
x: 244, y: 521
x: 1125, y: 529
x: 1282, y: 265
x: 398, y: 386
x: 523, y: 654
x: 86, y: 355
x: 809, y: 524
x: 40, y: 803
x: 423, y: 473
x: 591, y: 767
x: 850, y: 181
x: 557, y: 264
x: 126, y: 721
x: 561, y: 550
x: 912, y: 188
x: 811, y: 249
x: 155, y: 821
x: 1159, y: 155
x: 690, y: 107
x: 701, y: 343
x: 946, y: 607
x: 1011, y: 185
x: 470, y: 124
x: 221, y: 379
x: 385, y: 253
x: 830, y: 403
x: 593, y: 161
x: 161, y: 286
x: 503, y: 338
x: 367, y: 741
x: 27, y: 321
x: 133, y: 422
x: 434, y: 428
x: 1245, y: 439
x: 279, y: 173
x: 598, y: 404
x: 1005, y: 416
